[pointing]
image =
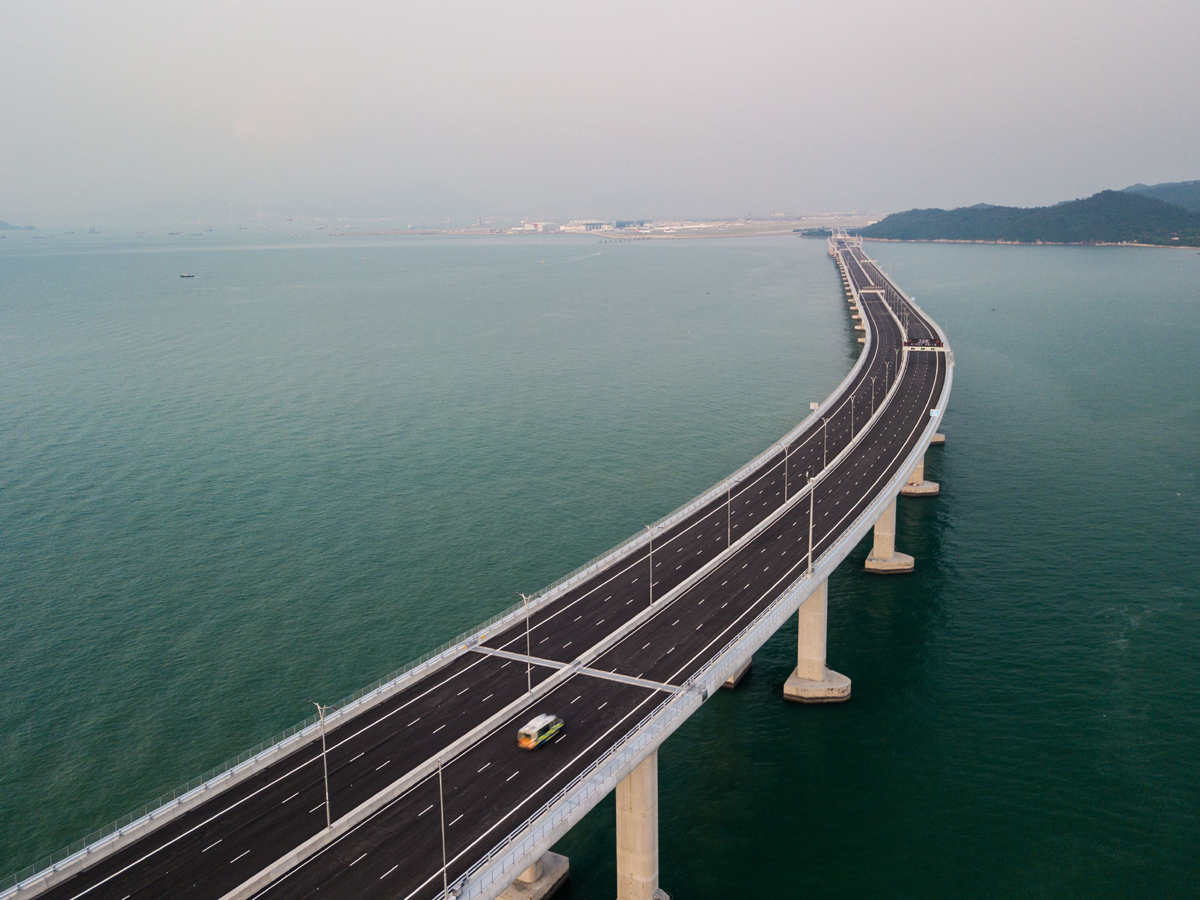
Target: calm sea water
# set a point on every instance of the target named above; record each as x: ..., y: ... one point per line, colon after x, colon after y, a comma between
x: 320, y: 458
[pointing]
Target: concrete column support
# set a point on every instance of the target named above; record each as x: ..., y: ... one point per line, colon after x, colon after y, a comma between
x: 637, y: 833
x: 741, y: 672
x: 813, y: 681
x: 884, y: 559
x: 541, y: 880
x: 917, y: 485
x: 938, y: 438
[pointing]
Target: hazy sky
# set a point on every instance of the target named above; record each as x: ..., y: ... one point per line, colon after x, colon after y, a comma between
x: 601, y: 107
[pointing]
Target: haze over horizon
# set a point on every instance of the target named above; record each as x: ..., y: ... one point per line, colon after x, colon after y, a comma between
x: 559, y: 110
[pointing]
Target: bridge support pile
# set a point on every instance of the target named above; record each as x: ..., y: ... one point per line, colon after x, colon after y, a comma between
x: 540, y: 880
x: 884, y: 560
x: 637, y: 833
x: 917, y: 485
x: 741, y: 672
x: 813, y: 681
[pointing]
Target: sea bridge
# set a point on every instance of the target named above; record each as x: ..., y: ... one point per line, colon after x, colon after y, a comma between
x: 416, y: 789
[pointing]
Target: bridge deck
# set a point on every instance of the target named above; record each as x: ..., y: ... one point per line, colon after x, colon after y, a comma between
x: 712, y: 572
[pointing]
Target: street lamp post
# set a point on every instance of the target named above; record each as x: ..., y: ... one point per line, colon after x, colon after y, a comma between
x: 528, y: 652
x: 873, y: 377
x: 651, y: 530
x: 812, y: 503
x: 324, y: 759
x: 785, y: 472
x: 442, y: 806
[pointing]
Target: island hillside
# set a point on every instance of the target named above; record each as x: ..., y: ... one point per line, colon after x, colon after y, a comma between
x: 1109, y: 217
x: 1181, y: 193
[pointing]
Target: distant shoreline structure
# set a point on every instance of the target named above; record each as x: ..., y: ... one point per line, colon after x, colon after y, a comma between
x: 676, y: 229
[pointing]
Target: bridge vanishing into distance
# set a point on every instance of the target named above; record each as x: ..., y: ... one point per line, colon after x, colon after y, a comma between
x: 416, y: 789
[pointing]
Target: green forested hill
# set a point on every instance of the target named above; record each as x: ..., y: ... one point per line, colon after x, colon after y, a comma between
x: 1181, y: 193
x: 1106, y: 217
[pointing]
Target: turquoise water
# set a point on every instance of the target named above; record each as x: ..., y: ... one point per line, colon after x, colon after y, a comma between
x: 318, y: 459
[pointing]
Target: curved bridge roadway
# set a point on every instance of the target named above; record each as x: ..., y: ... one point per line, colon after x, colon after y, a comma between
x: 605, y: 653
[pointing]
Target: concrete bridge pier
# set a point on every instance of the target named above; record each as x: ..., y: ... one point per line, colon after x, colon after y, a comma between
x: 541, y: 880
x: 637, y: 833
x: 884, y: 559
x: 738, y: 674
x: 917, y: 485
x: 813, y: 681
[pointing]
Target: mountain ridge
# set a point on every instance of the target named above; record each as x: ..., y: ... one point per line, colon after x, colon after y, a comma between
x: 1107, y: 217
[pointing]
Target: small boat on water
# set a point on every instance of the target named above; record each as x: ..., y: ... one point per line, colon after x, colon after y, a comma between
x: 187, y: 275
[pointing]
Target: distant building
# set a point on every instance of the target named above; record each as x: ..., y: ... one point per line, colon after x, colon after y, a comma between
x: 580, y: 225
